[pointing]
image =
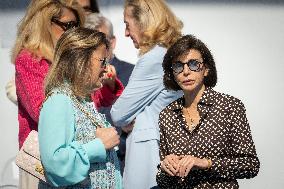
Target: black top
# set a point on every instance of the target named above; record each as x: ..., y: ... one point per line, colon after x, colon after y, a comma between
x: 222, y: 135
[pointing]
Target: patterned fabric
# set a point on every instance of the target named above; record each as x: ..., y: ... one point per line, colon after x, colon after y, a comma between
x: 222, y: 135
x: 103, y: 175
x: 30, y: 74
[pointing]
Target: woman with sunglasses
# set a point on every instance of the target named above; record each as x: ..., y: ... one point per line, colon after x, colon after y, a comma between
x: 76, y: 142
x: 205, y: 138
x: 44, y: 22
x: 32, y: 55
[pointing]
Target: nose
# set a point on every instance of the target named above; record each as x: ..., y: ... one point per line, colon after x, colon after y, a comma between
x: 127, y: 32
x: 186, y: 70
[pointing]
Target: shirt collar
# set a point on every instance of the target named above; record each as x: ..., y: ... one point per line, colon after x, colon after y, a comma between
x: 207, y: 99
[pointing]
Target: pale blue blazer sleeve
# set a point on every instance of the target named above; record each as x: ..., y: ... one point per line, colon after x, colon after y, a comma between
x: 65, y: 161
x: 143, y: 87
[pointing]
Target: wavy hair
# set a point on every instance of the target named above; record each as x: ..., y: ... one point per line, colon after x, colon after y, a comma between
x: 157, y: 22
x: 34, y: 30
x: 72, y: 60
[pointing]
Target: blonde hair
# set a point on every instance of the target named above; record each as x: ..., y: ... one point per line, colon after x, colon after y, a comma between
x: 72, y: 60
x: 157, y: 22
x: 34, y: 30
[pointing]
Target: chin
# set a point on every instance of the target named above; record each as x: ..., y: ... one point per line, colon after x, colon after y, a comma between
x: 136, y: 45
x: 188, y: 88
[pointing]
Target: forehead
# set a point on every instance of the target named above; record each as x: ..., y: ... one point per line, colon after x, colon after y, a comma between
x: 84, y: 3
x: 190, y: 54
x: 101, y: 51
x: 128, y: 14
x: 67, y: 15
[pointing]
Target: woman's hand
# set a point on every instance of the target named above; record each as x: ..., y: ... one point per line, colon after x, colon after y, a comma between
x: 170, y: 164
x: 188, y: 162
x: 109, y: 76
x: 109, y: 137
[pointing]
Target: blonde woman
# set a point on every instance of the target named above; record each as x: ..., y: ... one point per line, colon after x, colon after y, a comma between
x: 153, y: 28
x: 42, y: 25
x: 76, y: 142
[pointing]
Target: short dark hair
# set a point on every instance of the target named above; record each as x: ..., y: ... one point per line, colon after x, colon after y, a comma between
x: 181, y: 47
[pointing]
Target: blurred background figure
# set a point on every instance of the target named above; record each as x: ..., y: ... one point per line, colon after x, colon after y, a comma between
x: 11, y: 91
x: 89, y: 6
x: 152, y: 27
x: 123, y: 69
x: 102, y: 24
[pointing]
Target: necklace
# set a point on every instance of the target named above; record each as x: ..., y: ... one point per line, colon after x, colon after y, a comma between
x: 192, y: 125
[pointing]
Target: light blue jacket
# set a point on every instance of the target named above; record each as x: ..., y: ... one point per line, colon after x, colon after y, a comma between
x: 143, y: 99
x: 68, y: 161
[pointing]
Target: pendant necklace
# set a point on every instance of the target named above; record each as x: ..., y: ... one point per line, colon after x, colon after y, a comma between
x: 192, y: 125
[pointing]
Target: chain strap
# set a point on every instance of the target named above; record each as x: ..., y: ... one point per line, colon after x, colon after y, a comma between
x: 78, y: 105
x: 87, y: 113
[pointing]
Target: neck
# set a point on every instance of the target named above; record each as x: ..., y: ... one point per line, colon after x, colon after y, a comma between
x: 192, y: 97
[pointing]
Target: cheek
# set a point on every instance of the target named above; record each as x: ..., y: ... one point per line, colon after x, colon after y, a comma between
x: 59, y: 33
x: 56, y: 35
x: 177, y: 78
x: 96, y: 72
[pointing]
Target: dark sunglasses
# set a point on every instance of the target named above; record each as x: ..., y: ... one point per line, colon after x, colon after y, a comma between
x: 104, y: 62
x: 65, y: 25
x: 87, y: 9
x: 193, y: 65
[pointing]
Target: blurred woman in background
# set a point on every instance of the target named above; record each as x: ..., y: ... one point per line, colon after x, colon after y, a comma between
x: 42, y: 25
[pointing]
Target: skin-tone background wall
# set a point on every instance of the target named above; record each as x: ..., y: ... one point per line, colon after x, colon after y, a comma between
x: 247, y: 41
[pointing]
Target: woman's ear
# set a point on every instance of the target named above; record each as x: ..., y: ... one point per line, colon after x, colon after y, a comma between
x: 206, y: 72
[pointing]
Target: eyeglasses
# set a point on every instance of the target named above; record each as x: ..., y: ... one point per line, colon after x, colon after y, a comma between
x: 104, y: 62
x: 193, y: 65
x: 87, y: 9
x: 65, y: 25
